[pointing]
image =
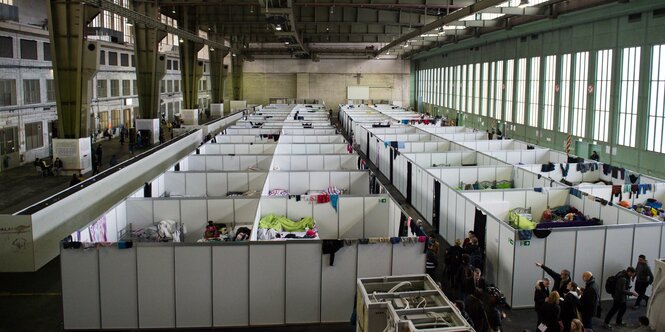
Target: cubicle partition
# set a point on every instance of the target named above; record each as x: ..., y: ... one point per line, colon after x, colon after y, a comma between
x: 313, y: 139
x: 311, y: 148
x: 213, y: 183
x: 304, y: 182
x: 331, y: 162
x: 200, y: 162
x: 461, y: 177
x: 237, y: 283
x: 535, y: 156
x: 264, y: 147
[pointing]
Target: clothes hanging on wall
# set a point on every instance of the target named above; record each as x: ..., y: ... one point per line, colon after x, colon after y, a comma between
x: 330, y: 247
x: 547, y: 167
x: 564, y: 170
x: 333, y: 201
x: 616, y: 192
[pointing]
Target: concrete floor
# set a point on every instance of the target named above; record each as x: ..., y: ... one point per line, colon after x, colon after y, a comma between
x: 32, y: 301
x: 24, y: 186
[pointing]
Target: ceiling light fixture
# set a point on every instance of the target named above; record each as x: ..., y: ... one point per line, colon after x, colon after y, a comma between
x: 278, y: 27
x: 286, y: 43
x: 182, y: 40
x: 173, y: 11
x: 332, y: 9
x: 523, y: 3
x: 233, y: 54
x: 251, y: 9
x: 212, y: 49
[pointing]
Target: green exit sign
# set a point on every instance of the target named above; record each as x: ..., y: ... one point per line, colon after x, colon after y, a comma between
x: 382, y: 200
x: 526, y: 243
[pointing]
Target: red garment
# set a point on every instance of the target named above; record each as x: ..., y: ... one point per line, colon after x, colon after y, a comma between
x: 426, y: 122
x: 323, y: 198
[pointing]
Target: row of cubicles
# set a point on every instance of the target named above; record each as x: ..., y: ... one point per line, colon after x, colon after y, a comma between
x: 231, y: 179
x: 438, y: 170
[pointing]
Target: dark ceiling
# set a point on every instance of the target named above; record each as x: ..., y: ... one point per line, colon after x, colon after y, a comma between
x: 307, y: 28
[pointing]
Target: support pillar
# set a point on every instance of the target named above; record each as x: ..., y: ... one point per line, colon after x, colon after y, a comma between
x: 75, y: 61
x: 150, y: 65
x: 217, y: 72
x: 191, y: 69
x: 236, y: 78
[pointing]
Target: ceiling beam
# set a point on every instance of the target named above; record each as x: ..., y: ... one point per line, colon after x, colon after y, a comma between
x: 134, y: 16
x: 452, y: 17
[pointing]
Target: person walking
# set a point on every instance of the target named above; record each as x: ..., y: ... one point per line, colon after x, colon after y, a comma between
x: 99, y: 154
x: 620, y: 295
x: 643, y: 278
x: 541, y: 293
x: 550, y: 313
x: 570, y: 306
x: 589, y: 299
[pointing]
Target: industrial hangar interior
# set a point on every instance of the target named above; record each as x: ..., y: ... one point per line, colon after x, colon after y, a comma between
x: 279, y: 164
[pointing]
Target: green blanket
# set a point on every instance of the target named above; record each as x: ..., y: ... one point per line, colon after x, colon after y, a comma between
x: 280, y: 223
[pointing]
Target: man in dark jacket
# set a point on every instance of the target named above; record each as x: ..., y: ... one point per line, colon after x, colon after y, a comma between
x: 561, y: 279
x: 643, y: 278
x: 541, y: 293
x: 476, y: 310
x: 620, y: 296
x: 589, y: 299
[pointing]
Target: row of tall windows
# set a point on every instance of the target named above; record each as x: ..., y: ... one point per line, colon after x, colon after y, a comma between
x: 561, y: 92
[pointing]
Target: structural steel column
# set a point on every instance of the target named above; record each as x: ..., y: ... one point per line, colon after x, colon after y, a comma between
x: 74, y: 64
x: 236, y: 79
x: 217, y: 72
x: 150, y: 65
x: 191, y: 69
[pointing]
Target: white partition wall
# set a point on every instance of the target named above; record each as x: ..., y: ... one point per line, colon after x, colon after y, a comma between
x: 229, y: 284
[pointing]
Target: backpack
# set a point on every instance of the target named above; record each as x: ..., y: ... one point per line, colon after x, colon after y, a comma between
x: 611, y: 283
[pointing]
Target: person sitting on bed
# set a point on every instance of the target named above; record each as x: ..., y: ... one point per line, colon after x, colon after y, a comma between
x: 594, y: 156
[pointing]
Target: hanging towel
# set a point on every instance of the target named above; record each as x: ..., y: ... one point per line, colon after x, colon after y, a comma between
x: 333, y: 201
x: 607, y: 169
x: 331, y: 247
x: 616, y: 191
x: 564, y: 170
x: 323, y: 198
x: 547, y: 167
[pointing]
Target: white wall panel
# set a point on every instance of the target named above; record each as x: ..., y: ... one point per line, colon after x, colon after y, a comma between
x: 166, y: 209
x: 589, y: 254
x: 408, y: 258
x: 525, y: 272
x: 80, y: 289
x: 618, y: 252
x: 230, y: 290
x: 193, y: 280
x: 220, y: 210
x: 350, y: 217
x: 217, y: 184
x: 374, y: 260
x: 194, y: 217
x: 303, y: 282
x: 156, y: 285
x: 338, y: 285
x: 267, y: 289
x: 118, y: 288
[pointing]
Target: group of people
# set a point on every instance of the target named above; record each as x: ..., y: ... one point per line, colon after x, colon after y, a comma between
x: 480, y: 304
x: 568, y: 307
x: 46, y: 169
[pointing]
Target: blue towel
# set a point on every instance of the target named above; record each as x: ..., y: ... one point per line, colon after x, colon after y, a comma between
x: 401, y: 144
x: 333, y: 201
